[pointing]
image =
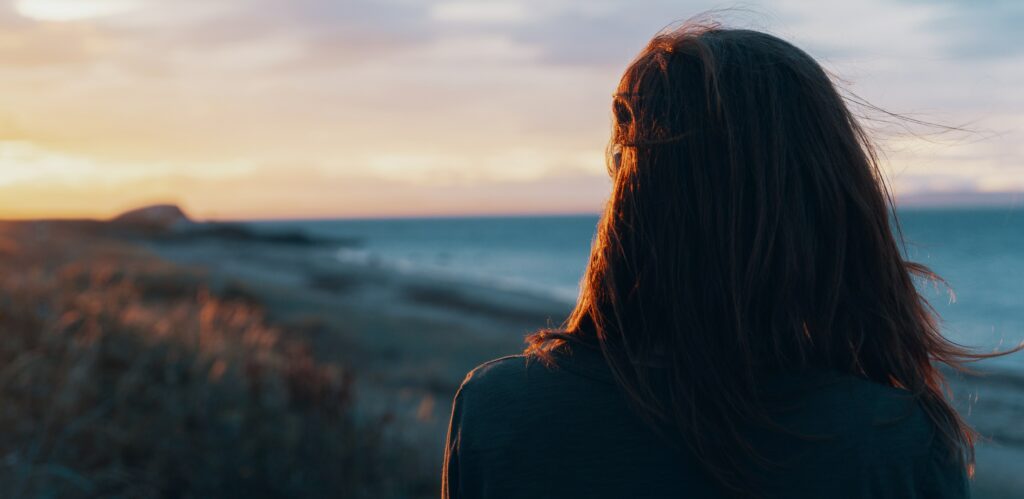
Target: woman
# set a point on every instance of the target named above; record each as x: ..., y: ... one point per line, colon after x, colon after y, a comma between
x: 747, y: 325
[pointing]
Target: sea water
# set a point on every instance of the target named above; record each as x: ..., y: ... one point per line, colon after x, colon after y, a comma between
x: 979, y: 252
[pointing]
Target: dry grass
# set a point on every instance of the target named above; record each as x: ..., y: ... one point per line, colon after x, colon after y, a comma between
x: 122, y: 376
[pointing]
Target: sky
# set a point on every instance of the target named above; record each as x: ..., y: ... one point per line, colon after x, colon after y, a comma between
x: 256, y: 109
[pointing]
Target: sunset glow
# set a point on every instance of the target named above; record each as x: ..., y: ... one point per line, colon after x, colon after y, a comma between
x: 314, y: 108
x: 72, y: 10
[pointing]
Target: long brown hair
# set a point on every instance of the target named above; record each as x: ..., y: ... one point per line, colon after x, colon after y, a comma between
x: 749, y: 231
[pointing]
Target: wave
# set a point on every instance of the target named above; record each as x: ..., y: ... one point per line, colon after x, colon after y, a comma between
x: 367, y: 258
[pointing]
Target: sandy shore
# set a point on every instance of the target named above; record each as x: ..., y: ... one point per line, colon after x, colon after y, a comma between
x: 411, y: 338
x: 993, y: 403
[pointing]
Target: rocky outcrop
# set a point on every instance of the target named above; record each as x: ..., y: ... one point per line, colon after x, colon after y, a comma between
x: 154, y: 218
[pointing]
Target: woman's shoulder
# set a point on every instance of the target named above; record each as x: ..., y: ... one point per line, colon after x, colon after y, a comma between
x: 507, y: 376
x: 513, y: 373
x: 497, y: 383
x: 883, y: 420
x: 498, y: 370
x: 498, y: 375
x: 526, y: 385
x: 852, y: 431
x: 505, y: 400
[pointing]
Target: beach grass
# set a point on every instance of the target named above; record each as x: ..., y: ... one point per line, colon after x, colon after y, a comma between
x: 122, y: 375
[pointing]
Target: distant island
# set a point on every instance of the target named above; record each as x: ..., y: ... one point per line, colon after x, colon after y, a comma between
x: 961, y: 199
x: 169, y: 223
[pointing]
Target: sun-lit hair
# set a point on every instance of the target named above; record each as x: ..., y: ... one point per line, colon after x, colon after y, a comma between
x: 749, y: 231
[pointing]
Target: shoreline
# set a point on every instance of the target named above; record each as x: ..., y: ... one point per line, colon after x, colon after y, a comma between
x: 411, y: 338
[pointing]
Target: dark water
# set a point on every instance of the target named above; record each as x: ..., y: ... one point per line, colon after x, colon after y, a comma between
x: 979, y: 252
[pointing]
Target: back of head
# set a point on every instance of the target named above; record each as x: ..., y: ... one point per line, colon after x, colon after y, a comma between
x: 748, y: 232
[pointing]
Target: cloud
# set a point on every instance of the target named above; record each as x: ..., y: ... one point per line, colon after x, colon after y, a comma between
x: 73, y: 10
x: 420, y: 97
x: 22, y: 162
x: 509, y: 165
x: 492, y: 12
x: 973, y: 30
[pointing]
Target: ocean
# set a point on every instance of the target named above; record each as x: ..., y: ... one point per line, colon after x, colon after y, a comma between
x: 979, y: 252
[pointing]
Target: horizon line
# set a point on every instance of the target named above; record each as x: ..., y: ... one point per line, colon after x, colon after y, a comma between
x: 1019, y: 206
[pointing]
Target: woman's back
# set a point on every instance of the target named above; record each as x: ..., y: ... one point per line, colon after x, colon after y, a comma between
x: 521, y: 428
x: 748, y: 233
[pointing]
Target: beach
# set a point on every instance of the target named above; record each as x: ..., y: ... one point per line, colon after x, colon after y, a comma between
x: 406, y: 338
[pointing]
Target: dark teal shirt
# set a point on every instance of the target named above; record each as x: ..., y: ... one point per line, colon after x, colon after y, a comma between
x: 520, y: 429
